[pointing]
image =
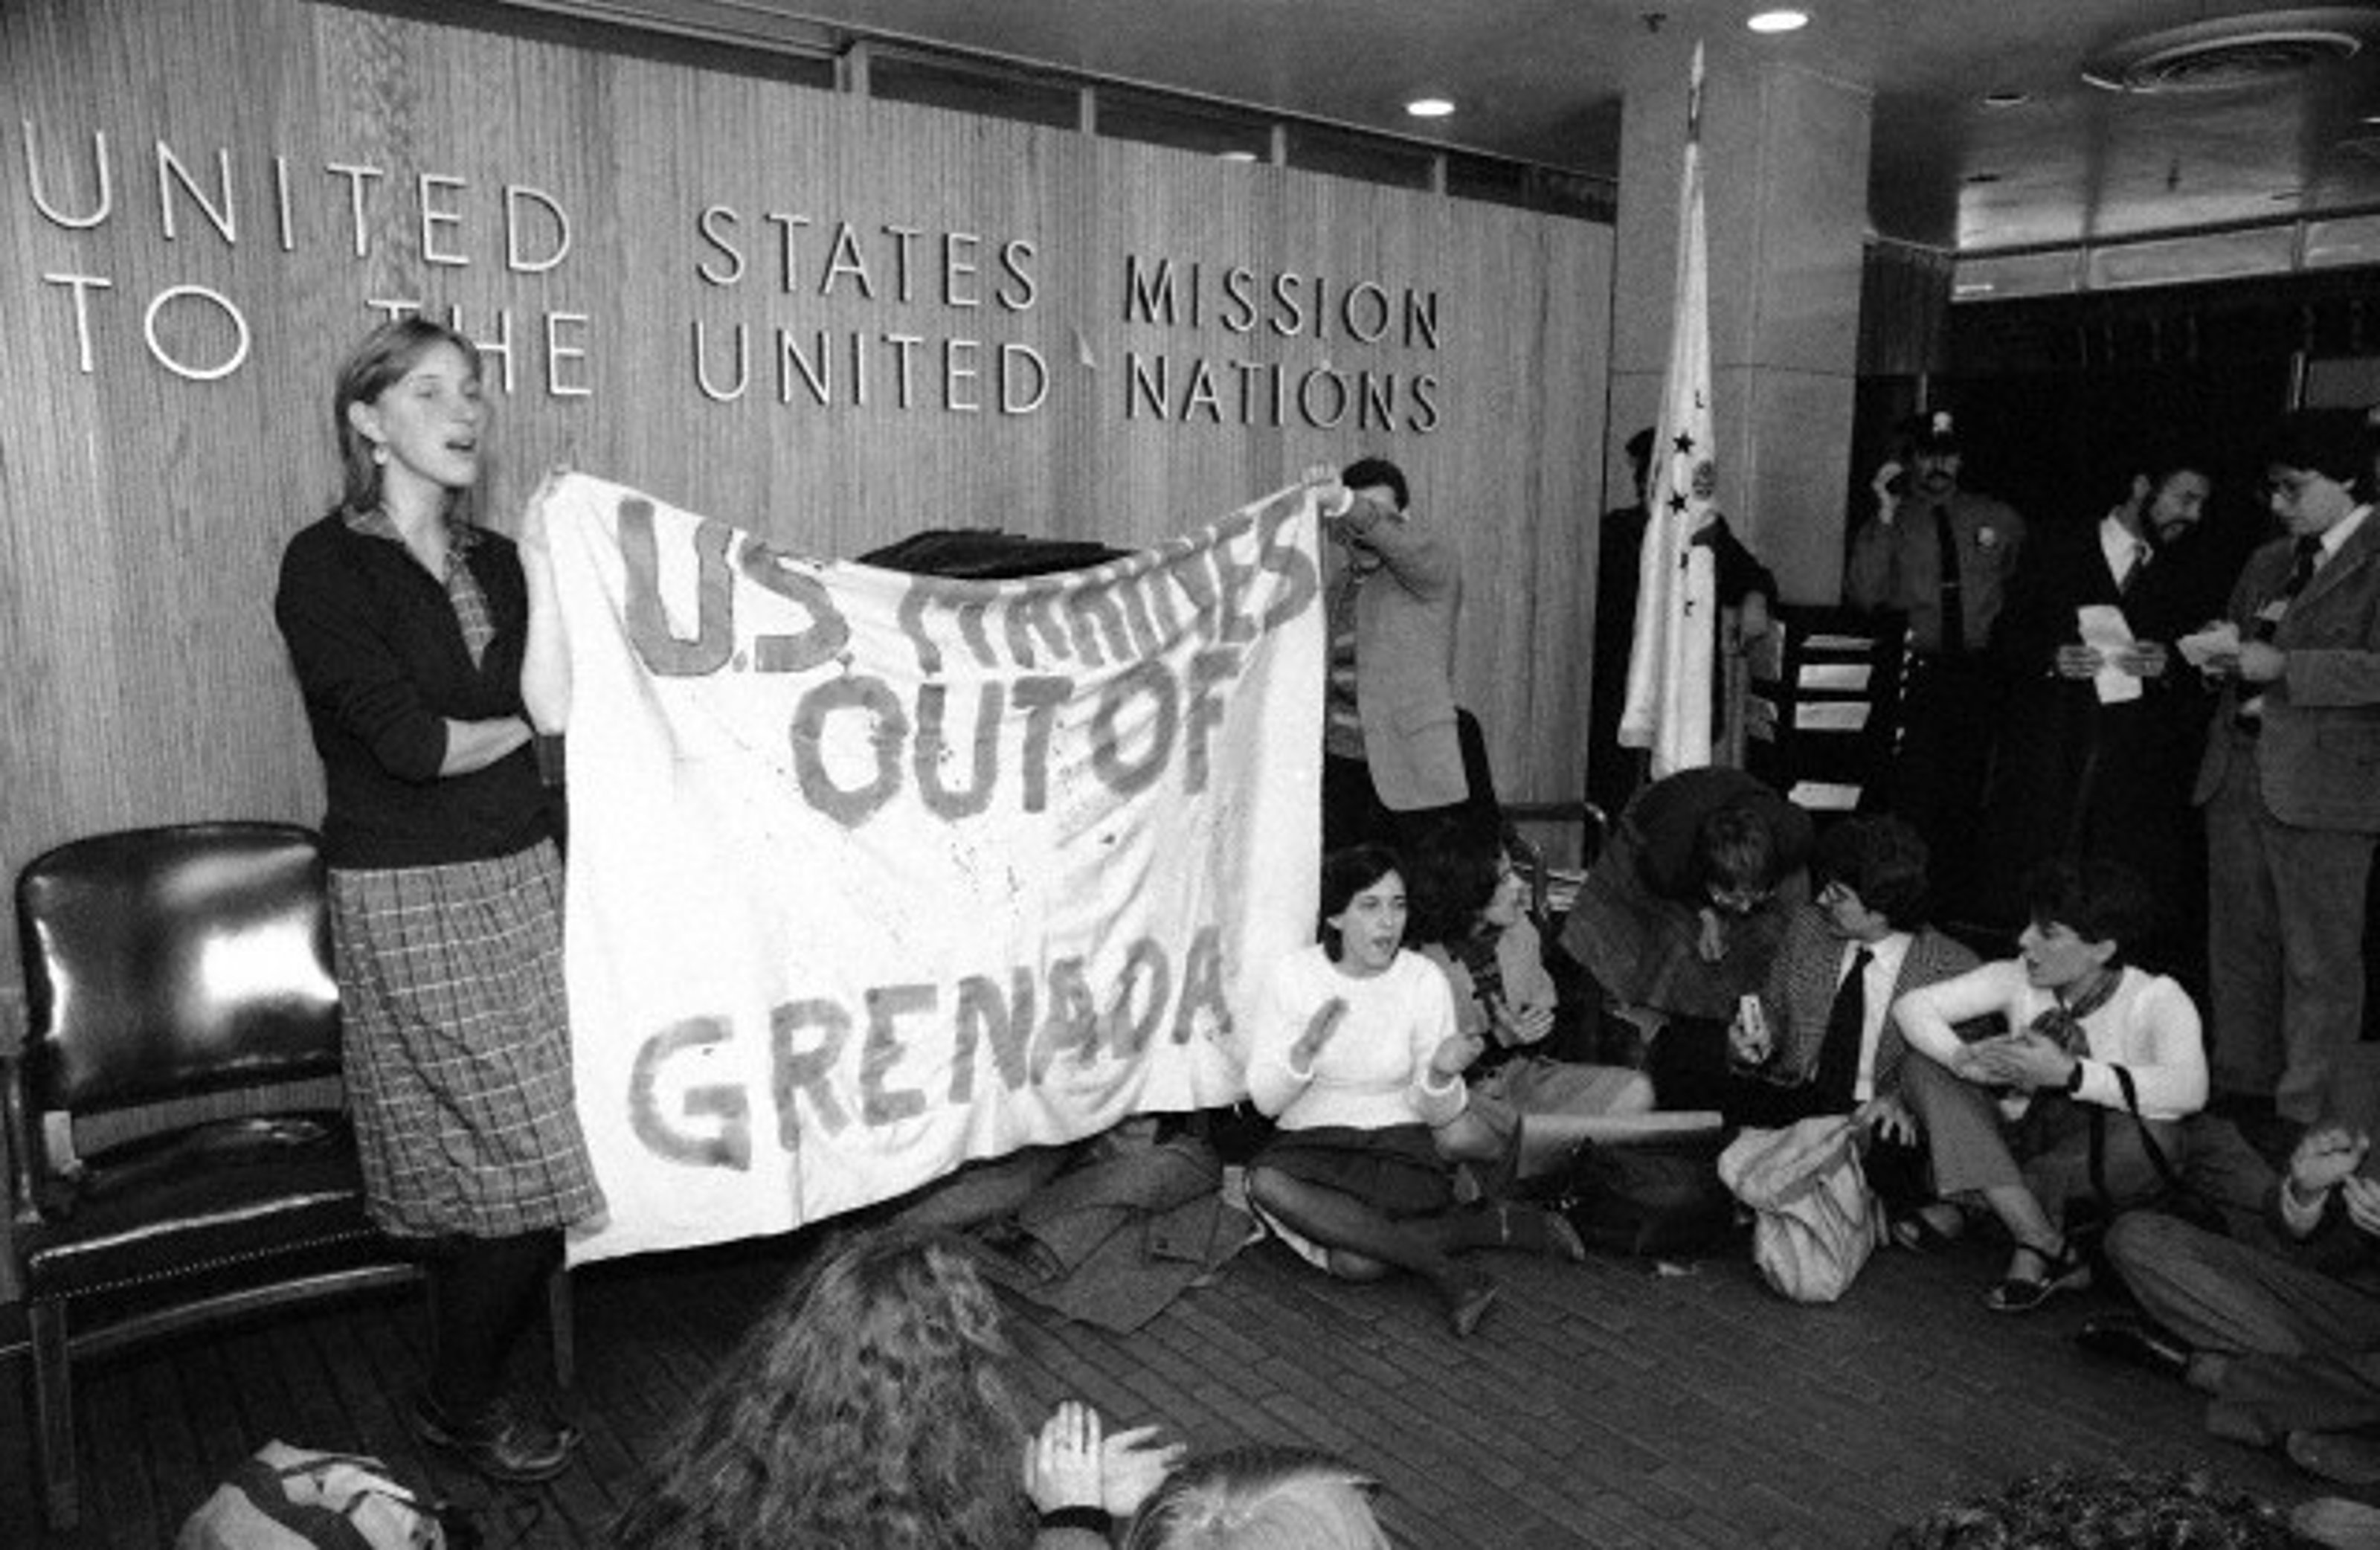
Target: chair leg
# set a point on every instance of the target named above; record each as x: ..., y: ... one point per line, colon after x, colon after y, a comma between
x: 53, y: 1426
x: 561, y: 1314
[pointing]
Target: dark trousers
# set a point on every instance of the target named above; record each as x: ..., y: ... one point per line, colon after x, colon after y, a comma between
x: 1941, y: 769
x: 1352, y: 813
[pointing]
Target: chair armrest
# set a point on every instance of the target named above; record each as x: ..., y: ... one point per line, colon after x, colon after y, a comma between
x: 23, y: 1209
x: 1529, y: 857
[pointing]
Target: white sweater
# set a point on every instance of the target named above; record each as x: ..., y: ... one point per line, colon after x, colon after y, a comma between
x: 2149, y: 1026
x: 1375, y: 1071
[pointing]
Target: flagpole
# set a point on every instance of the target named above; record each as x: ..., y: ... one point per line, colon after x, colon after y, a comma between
x: 1673, y: 645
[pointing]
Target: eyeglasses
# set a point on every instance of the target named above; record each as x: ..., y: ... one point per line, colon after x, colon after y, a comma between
x: 2290, y: 486
x: 1741, y: 900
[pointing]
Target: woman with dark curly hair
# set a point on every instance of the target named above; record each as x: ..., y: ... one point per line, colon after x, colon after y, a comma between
x: 874, y: 1408
x: 1470, y: 918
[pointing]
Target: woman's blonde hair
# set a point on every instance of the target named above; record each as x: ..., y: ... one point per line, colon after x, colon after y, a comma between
x: 1260, y: 1498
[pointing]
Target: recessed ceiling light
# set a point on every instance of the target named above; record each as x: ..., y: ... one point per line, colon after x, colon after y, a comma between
x: 2010, y: 99
x: 1782, y: 20
x: 1430, y: 107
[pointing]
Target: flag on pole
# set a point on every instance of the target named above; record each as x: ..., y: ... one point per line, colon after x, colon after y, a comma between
x: 1669, y: 706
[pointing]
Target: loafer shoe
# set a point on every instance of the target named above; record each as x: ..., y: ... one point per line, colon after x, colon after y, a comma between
x: 1468, y: 1302
x: 2136, y: 1342
x: 509, y: 1440
x: 2343, y: 1457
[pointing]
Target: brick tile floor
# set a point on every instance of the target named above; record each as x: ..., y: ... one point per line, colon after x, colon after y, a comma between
x: 1599, y: 1405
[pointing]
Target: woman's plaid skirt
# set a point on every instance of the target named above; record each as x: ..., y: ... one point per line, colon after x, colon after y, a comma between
x: 458, y: 1046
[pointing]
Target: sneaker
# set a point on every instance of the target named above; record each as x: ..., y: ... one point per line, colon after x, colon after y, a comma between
x: 508, y: 1441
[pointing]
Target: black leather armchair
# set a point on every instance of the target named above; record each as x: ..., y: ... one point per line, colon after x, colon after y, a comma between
x: 191, y: 962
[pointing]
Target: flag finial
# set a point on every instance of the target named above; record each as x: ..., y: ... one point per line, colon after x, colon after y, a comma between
x: 1694, y: 98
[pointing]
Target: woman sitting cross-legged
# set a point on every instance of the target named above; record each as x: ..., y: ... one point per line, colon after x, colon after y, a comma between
x: 1355, y: 1055
x: 2093, y: 1041
x: 1527, y: 1112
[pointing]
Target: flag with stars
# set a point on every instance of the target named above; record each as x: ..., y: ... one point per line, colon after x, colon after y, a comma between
x: 1670, y: 660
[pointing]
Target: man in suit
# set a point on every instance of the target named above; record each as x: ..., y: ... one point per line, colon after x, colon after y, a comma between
x: 2099, y: 735
x: 2284, y: 1334
x: 1393, y: 759
x: 1942, y: 556
x: 2291, y: 780
x: 1823, y: 1040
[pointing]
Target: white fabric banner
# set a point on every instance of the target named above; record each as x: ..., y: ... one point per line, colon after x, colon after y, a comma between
x: 871, y: 873
x: 1669, y: 660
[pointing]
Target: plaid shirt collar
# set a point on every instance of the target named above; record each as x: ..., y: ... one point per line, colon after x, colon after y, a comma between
x: 375, y: 523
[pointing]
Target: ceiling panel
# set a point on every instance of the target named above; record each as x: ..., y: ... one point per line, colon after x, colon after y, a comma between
x: 1540, y: 80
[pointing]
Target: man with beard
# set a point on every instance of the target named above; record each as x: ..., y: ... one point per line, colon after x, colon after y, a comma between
x: 1943, y: 557
x: 2102, y: 719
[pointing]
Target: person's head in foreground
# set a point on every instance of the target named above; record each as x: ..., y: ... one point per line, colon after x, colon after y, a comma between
x: 1260, y: 1498
x: 872, y: 1406
x: 2083, y: 917
x: 1363, y: 909
x: 2110, y: 1509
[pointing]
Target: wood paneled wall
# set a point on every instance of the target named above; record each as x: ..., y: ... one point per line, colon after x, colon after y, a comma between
x: 142, y: 510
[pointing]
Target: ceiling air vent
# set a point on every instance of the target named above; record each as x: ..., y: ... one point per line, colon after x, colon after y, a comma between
x: 2231, y: 52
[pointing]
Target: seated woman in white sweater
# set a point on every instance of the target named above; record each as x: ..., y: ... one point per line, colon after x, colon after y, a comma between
x: 1355, y: 1055
x: 2083, y: 1026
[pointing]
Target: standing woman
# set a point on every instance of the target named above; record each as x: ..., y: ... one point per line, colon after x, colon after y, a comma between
x: 407, y: 627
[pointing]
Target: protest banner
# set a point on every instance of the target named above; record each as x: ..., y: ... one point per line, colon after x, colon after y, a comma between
x: 872, y: 874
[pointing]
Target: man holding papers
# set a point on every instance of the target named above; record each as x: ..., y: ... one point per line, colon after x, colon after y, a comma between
x: 2095, y: 748
x: 2291, y: 778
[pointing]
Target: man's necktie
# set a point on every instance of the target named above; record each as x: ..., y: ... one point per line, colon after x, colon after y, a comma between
x: 2249, y: 719
x: 2308, y: 555
x: 1836, y: 1079
x: 2138, y: 562
x: 1952, y: 594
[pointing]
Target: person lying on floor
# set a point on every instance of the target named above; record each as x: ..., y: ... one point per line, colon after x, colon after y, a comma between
x: 2285, y: 1334
x: 1527, y: 1113
x: 1821, y: 1036
x: 2097, y: 1050
x: 1355, y: 1053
